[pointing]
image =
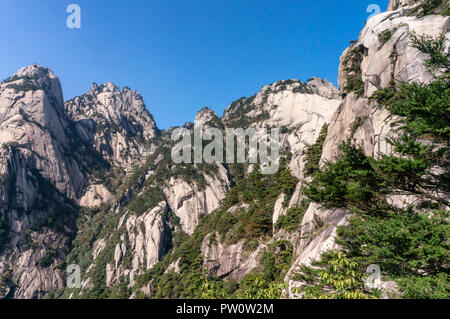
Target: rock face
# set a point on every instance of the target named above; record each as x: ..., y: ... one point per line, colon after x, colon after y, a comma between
x: 95, y: 195
x: 298, y: 109
x: 148, y: 236
x: 230, y: 262
x: 189, y: 203
x: 116, y: 122
x: 56, y: 158
x: 365, y: 122
x: 50, y: 151
x: 317, y: 234
x: 38, y: 176
x: 33, y: 120
x: 396, y: 59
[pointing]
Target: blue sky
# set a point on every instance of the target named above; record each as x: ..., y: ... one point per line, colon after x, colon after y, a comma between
x: 181, y: 55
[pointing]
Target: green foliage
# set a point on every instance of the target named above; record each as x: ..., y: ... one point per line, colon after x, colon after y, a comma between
x: 260, y: 193
x: 385, y: 36
x: 355, y: 84
x: 121, y: 290
x: 212, y: 290
x: 435, y: 48
x: 351, y: 181
x: 237, y: 113
x: 418, y: 287
x: 24, y: 86
x: 333, y: 277
x: 145, y: 201
x: 403, y: 243
x: 404, y: 173
x: 446, y: 11
x: 97, y: 274
x: 352, y: 62
x: 428, y: 7
x: 314, y: 152
x: 94, y: 224
x: 276, y: 260
x: 256, y: 286
x: 47, y: 259
x: 5, y: 281
x: 293, y: 218
x: 424, y: 108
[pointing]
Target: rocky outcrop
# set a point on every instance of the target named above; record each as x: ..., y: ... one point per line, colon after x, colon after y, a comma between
x: 381, y: 60
x: 32, y: 119
x: 116, y: 122
x: 40, y: 178
x: 95, y: 195
x: 189, y: 202
x: 317, y: 234
x: 230, y: 262
x: 298, y: 109
x: 144, y: 243
x: 377, y: 61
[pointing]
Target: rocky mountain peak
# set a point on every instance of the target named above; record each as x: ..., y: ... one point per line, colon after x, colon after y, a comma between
x: 34, y: 78
x: 116, y: 121
x: 399, y: 4
x: 323, y: 88
x: 206, y: 117
x: 420, y: 7
x: 34, y: 71
x: 106, y: 87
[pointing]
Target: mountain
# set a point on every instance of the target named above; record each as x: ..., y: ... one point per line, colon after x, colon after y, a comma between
x: 362, y: 180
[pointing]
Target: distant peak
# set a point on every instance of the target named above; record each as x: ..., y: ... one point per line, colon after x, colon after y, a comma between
x: 35, y: 77
x: 34, y: 71
x: 323, y: 87
x: 398, y: 4
x: 207, y: 117
x: 106, y: 87
x: 206, y: 110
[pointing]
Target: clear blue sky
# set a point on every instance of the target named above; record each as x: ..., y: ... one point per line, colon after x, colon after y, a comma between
x: 181, y: 55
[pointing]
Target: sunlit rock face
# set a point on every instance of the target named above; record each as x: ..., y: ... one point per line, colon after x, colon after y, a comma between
x: 40, y: 179
x: 57, y: 160
x: 116, y: 122
x: 395, y: 58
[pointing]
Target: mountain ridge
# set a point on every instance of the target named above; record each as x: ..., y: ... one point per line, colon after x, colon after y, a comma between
x: 90, y: 181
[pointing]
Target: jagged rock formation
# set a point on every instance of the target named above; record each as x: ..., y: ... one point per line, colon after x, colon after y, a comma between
x: 40, y: 178
x: 382, y: 53
x: 298, y: 109
x: 115, y: 122
x: 53, y: 155
x: 91, y: 181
